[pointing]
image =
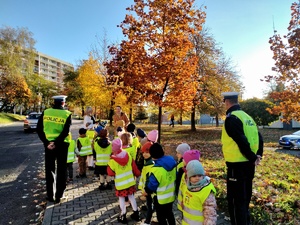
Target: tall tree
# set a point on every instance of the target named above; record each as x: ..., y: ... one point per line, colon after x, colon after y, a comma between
x: 17, y: 55
x: 286, y: 53
x: 157, y: 55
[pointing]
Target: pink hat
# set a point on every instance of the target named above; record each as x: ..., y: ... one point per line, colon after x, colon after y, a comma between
x: 117, y: 146
x: 153, y: 135
x: 191, y: 155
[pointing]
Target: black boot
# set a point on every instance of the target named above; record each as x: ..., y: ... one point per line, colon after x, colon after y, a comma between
x: 122, y: 219
x: 108, y: 186
x: 101, y: 187
x: 135, y: 215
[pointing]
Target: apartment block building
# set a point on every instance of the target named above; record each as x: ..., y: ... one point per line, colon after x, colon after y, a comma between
x: 51, y: 68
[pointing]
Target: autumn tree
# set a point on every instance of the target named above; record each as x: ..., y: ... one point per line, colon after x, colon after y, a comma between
x: 257, y: 109
x: 17, y: 55
x: 156, y: 59
x: 286, y: 53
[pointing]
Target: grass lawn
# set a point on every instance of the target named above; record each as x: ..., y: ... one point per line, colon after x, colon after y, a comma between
x: 9, y: 117
x: 276, y: 186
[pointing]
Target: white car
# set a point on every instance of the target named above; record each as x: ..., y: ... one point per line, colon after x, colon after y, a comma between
x: 290, y: 141
x: 31, y: 120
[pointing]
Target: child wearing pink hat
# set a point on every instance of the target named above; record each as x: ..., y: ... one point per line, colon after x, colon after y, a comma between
x: 124, y: 169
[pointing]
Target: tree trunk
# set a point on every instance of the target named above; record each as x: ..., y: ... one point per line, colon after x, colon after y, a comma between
x: 159, y: 122
x: 217, y: 120
x: 130, y: 114
x: 193, y: 123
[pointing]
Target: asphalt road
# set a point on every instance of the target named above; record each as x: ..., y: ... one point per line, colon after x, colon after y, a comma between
x: 22, y: 183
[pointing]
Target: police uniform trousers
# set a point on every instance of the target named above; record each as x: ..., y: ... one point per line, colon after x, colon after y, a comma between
x: 239, y: 191
x: 56, y: 157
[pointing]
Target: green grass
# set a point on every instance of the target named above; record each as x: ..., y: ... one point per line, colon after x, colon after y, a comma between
x: 276, y: 185
x: 9, y: 117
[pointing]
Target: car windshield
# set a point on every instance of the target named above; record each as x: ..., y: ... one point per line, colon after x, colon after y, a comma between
x: 297, y: 133
x: 34, y: 116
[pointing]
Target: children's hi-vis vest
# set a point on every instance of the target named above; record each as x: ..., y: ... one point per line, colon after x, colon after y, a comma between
x: 191, y: 203
x: 86, y: 146
x: 102, y: 154
x: 230, y: 149
x: 71, y: 152
x: 124, y: 177
x: 131, y: 151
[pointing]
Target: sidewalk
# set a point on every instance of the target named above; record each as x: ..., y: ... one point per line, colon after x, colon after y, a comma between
x: 85, y: 204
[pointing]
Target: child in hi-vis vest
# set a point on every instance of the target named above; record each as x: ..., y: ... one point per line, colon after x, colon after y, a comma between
x: 123, y: 168
x: 71, y: 158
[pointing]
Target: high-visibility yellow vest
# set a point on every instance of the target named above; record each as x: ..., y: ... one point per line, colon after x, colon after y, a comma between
x: 179, y: 166
x: 166, y: 188
x: 124, y: 177
x: 90, y: 134
x: 54, y: 121
x: 131, y: 151
x: 102, y: 154
x: 71, y: 152
x: 135, y: 142
x: 86, y: 146
x: 145, y: 173
x: 230, y: 149
x: 192, y: 202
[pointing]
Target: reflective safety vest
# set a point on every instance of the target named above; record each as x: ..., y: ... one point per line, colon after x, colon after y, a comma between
x: 179, y: 166
x: 192, y: 203
x: 166, y: 188
x: 71, y: 152
x: 131, y: 151
x: 135, y: 142
x: 54, y: 121
x: 90, y: 134
x: 86, y: 146
x: 124, y: 177
x: 230, y: 149
x: 145, y: 174
x: 102, y: 154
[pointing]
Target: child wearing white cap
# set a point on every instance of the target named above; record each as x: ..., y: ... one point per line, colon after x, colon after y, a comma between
x: 196, y: 189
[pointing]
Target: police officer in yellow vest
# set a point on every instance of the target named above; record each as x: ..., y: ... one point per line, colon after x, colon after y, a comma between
x: 243, y: 150
x: 53, y: 128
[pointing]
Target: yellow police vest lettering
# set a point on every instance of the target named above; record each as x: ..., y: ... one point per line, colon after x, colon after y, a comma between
x: 230, y: 149
x: 53, y: 123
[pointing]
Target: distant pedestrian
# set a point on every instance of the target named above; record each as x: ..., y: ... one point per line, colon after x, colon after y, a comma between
x: 172, y: 120
x: 243, y: 149
x: 196, y: 196
x: 123, y: 168
x: 84, y: 148
x: 119, y: 115
x: 161, y: 181
x: 53, y: 128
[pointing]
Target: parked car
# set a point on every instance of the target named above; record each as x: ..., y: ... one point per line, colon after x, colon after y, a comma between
x: 31, y: 121
x: 290, y: 141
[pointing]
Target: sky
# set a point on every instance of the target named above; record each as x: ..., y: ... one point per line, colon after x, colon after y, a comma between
x: 68, y: 29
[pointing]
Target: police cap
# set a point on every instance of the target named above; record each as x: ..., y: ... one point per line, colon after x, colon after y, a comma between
x: 230, y: 95
x: 60, y: 98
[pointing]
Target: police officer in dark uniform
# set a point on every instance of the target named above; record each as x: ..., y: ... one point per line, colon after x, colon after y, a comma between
x: 53, y: 128
x: 242, y: 146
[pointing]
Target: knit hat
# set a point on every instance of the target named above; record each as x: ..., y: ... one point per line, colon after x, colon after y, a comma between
x: 82, y: 131
x: 156, y: 151
x: 103, y: 124
x: 130, y: 127
x: 182, y: 148
x: 194, y: 167
x: 103, y: 133
x: 141, y: 133
x: 146, y: 147
x: 144, y: 141
x: 120, y: 131
x: 153, y: 135
x: 98, y: 129
x: 116, y: 146
x: 191, y: 155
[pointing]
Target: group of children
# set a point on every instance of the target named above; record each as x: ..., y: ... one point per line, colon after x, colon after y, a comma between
x: 137, y: 157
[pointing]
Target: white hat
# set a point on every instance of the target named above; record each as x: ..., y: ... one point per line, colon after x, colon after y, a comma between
x: 60, y: 98
x: 230, y: 95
